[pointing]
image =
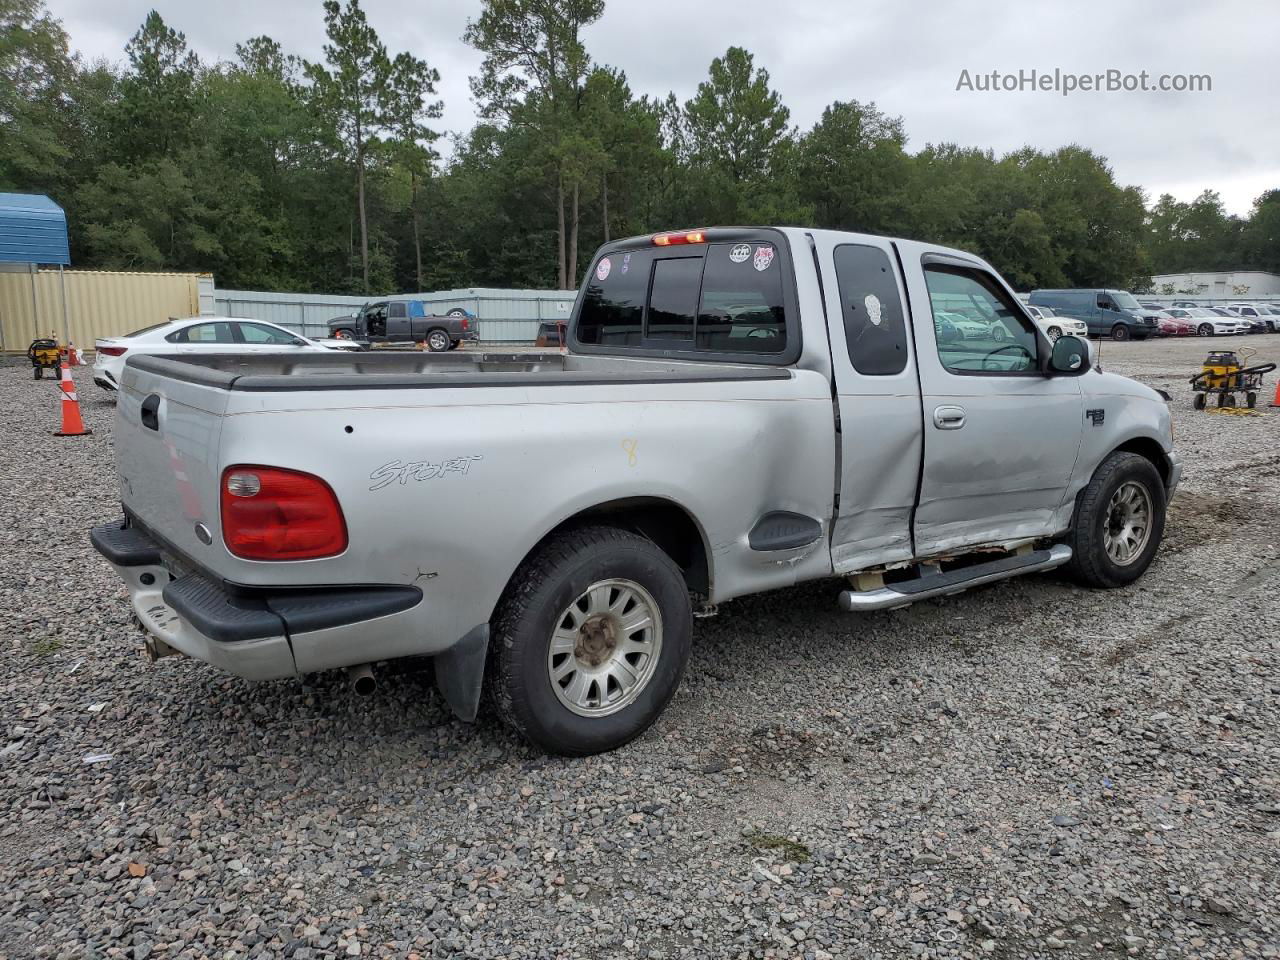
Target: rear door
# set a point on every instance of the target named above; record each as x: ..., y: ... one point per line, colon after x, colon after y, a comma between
x: 1000, y: 438
x: 877, y: 400
x: 213, y: 336
x: 398, y: 321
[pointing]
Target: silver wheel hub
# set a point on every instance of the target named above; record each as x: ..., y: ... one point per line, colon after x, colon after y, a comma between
x: 1128, y: 524
x: 605, y: 648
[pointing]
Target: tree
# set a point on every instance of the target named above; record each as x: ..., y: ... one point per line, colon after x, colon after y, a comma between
x: 532, y: 75
x: 735, y: 121
x: 352, y: 92
x: 35, y: 69
x: 157, y: 102
x: 853, y: 167
x: 411, y: 82
x: 1260, y: 238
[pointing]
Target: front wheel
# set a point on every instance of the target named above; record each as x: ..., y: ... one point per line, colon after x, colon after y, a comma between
x: 1205, y: 330
x: 437, y: 341
x: 589, y: 641
x: 1119, y: 522
x: 1054, y: 333
x: 1119, y: 332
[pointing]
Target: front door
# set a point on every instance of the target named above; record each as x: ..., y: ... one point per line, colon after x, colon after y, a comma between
x: 877, y: 399
x: 1000, y: 438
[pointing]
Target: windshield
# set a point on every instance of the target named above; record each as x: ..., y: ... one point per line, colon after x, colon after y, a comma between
x: 1125, y: 301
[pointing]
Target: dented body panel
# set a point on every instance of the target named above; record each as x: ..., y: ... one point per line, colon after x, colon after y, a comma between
x: 450, y: 469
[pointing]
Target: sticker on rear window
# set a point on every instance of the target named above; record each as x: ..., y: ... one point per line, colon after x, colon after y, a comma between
x: 764, y: 257
x: 740, y: 253
x: 626, y: 262
x: 872, y: 303
x: 602, y: 269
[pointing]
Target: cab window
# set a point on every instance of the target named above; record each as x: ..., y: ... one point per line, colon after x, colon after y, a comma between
x: 213, y: 332
x: 397, y: 311
x: 992, y: 336
x: 713, y: 298
x: 258, y: 333
x: 875, y: 331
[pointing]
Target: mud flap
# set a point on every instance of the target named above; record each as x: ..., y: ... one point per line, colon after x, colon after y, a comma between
x: 460, y: 672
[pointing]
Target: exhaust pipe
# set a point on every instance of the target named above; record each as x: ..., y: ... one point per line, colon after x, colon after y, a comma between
x: 362, y: 680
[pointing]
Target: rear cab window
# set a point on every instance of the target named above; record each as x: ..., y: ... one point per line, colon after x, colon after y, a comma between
x: 730, y: 298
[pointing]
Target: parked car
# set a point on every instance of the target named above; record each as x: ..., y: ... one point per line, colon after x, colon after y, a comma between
x: 548, y: 335
x: 1186, y: 304
x: 549, y: 525
x: 406, y: 321
x: 1169, y: 325
x: 1209, y: 324
x: 1113, y: 313
x: 1055, y: 325
x: 194, y: 335
x: 1256, y: 315
x: 1270, y: 316
x: 958, y: 326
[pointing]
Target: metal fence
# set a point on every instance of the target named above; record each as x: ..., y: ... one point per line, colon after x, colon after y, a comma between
x: 502, y: 316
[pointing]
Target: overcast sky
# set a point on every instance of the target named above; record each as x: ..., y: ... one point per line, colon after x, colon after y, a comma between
x: 905, y: 56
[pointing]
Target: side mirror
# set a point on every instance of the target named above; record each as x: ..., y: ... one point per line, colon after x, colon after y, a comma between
x: 1070, y: 356
x: 299, y: 342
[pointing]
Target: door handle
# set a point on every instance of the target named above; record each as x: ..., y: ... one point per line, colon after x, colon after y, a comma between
x: 948, y: 418
x: 151, y: 412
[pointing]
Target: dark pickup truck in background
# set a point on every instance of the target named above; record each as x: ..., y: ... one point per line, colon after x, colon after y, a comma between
x: 406, y: 321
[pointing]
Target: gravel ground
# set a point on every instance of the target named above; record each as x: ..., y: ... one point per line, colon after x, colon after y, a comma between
x: 1027, y: 770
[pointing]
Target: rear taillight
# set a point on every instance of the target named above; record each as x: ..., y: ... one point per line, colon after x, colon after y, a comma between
x: 466, y: 324
x: 112, y: 351
x: 269, y: 513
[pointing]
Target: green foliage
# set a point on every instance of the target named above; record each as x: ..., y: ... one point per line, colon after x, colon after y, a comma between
x: 275, y: 173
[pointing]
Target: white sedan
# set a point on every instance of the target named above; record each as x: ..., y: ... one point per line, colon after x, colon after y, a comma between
x: 1208, y: 323
x: 196, y: 335
x: 1055, y: 325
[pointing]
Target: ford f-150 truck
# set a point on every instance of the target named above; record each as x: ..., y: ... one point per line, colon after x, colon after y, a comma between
x: 738, y: 410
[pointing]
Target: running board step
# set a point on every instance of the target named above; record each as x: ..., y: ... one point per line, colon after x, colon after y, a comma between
x: 944, y: 584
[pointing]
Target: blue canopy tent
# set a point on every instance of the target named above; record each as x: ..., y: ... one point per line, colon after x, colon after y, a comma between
x: 33, y: 231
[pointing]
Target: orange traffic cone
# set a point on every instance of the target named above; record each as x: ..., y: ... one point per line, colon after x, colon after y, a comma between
x: 1276, y: 401
x: 72, y: 424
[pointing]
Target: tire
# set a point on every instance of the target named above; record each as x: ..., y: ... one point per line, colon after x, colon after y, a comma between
x: 1205, y: 330
x: 1200, y: 401
x: 39, y: 373
x: 437, y: 340
x: 521, y: 659
x: 1251, y: 399
x: 344, y: 333
x: 453, y: 344
x: 1119, y: 332
x: 1054, y: 333
x: 456, y: 312
x: 1091, y: 563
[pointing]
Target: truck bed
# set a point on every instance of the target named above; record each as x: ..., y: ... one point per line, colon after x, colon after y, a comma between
x: 386, y: 371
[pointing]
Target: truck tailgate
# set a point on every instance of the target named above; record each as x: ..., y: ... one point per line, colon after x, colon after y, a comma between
x: 167, y: 433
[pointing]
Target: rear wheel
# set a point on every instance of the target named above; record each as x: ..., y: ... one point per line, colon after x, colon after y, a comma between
x: 589, y: 641
x: 1119, y: 522
x: 1251, y: 399
x: 437, y: 341
x: 1199, y: 402
x: 1205, y: 330
x: 39, y: 373
x: 1119, y: 332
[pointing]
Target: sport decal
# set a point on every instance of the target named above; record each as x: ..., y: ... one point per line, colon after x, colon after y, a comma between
x: 763, y: 257
x: 603, y: 268
x: 740, y: 253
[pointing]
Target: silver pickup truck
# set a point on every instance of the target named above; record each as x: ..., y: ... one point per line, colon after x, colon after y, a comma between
x: 738, y: 410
